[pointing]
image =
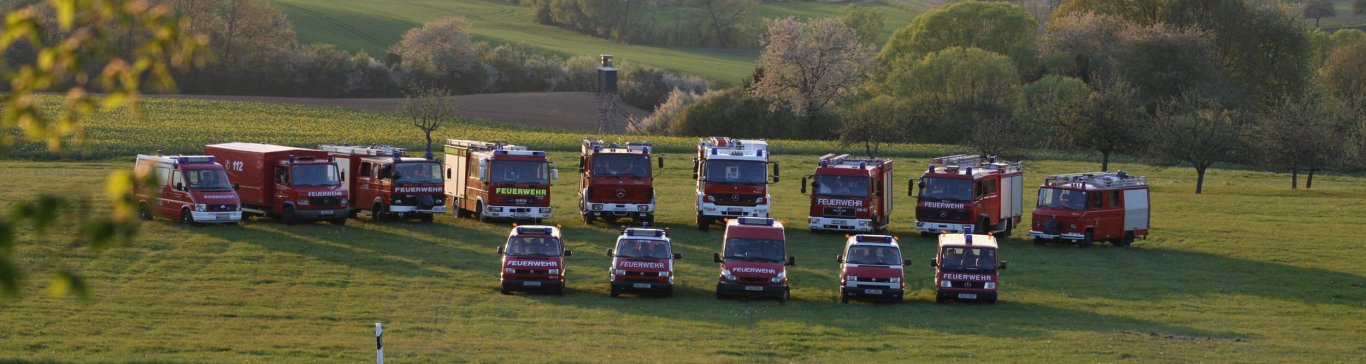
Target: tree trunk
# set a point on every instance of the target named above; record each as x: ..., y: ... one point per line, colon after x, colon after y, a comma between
x: 429, y: 145
x: 1309, y: 181
x: 1200, y: 178
x: 1294, y: 177
x: 1105, y: 161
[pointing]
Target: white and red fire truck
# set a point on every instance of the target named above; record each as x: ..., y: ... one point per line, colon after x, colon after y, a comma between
x: 1086, y: 207
x: 872, y: 267
x: 732, y: 178
x: 293, y: 184
x: 966, y: 267
x: 850, y: 194
x: 963, y: 193
x: 190, y: 188
x: 383, y: 182
x: 643, y: 261
x: 533, y: 260
x: 754, y: 259
x: 497, y: 180
x: 616, y: 182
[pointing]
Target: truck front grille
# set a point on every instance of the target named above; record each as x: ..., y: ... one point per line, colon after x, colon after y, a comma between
x: 845, y: 212
x: 324, y: 201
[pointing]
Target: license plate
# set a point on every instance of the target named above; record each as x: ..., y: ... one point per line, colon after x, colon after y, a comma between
x: 754, y: 288
x: 531, y: 284
x: 872, y: 291
x: 641, y: 285
x: 839, y: 222
x: 327, y: 212
x: 222, y: 216
x: 520, y: 214
x: 967, y: 296
x: 733, y: 209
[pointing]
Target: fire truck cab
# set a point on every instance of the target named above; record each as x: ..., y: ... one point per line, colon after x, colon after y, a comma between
x: 384, y: 183
x: 1086, y: 207
x: 850, y: 194
x: 616, y: 182
x: 962, y: 193
x: 732, y: 179
x: 533, y: 260
x: 872, y: 267
x: 966, y: 267
x: 497, y: 180
x: 190, y: 188
x: 290, y: 183
x: 754, y: 259
x: 643, y: 261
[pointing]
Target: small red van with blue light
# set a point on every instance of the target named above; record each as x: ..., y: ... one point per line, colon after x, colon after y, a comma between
x: 871, y: 268
x: 754, y: 259
x: 642, y: 262
x: 533, y: 260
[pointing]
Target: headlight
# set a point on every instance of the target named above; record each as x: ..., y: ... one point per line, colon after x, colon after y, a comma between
x: 1074, y: 226
x: 711, y: 198
x: 343, y: 201
x: 620, y: 272
x: 643, y: 208
x: 727, y: 275
x: 664, y: 273
x: 303, y: 202
x: 597, y: 207
x: 946, y: 283
x: 398, y: 201
x: 554, y: 271
x: 510, y: 270
x: 759, y: 200
x: 239, y: 206
x: 811, y: 220
x: 851, y: 278
x: 201, y: 207
x: 545, y: 210
x: 990, y: 285
x: 495, y: 209
x: 896, y: 280
x: 779, y: 278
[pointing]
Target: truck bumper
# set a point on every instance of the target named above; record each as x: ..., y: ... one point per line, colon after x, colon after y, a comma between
x: 517, y: 212
x: 216, y: 217
x: 532, y: 284
x: 944, y: 294
x: 750, y: 290
x: 437, y: 210
x: 873, y: 290
x: 641, y: 285
x: 1062, y: 236
x: 840, y: 224
x: 619, y: 209
x: 935, y: 227
x: 711, y: 209
x: 323, y: 214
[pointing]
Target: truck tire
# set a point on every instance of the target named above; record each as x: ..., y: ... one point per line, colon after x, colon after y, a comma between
x: 340, y: 221
x: 990, y: 300
x: 844, y: 297
x: 427, y: 218
x: 1010, y: 228
x: 669, y: 292
x: 926, y: 235
x: 787, y: 294
x: 940, y: 298
x: 983, y: 226
x: 703, y: 222
x: 1040, y: 241
x: 287, y: 216
x: 588, y: 219
x: 144, y: 213
x: 377, y: 212
x: 615, y: 292
x: 560, y: 291
x: 1087, y: 239
x: 479, y: 212
x: 186, y: 218
x: 1127, y: 240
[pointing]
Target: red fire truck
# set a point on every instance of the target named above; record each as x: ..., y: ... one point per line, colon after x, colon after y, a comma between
x: 962, y: 193
x: 616, y: 182
x: 850, y: 194
x: 189, y: 188
x: 1086, y: 207
x: 533, y: 260
x: 497, y: 180
x: 643, y: 261
x: 384, y: 183
x: 291, y: 183
x: 753, y: 258
x: 731, y: 179
x: 871, y: 267
x: 966, y: 267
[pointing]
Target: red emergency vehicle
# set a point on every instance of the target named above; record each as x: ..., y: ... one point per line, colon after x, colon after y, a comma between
x: 850, y: 194
x: 189, y: 188
x: 963, y: 193
x: 384, y: 183
x: 497, y: 180
x: 872, y: 267
x: 966, y: 267
x: 533, y: 260
x: 643, y: 261
x: 1086, y: 207
x: 291, y: 183
x: 616, y: 182
x: 731, y: 179
x: 753, y: 259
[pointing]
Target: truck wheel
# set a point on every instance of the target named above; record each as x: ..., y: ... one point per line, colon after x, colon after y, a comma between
x: 926, y: 235
x: 588, y: 219
x: 901, y: 298
x: 787, y: 294
x: 703, y: 222
x: 287, y: 216
x: 940, y: 298
x: 1127, y: 240
x: 144, y: 213
x: 844, y: 298
x: 186, y: 217
x: 669, y: 292
x: 559, y: 291
x: 615, y: 292
x: 1039, y: 241
x: 341, y: 221
x: 427, y: 218
x: 377, y: 212
x: 647, y: 220
x: 1087, y: 239
x: 1010, y: 227
x: 991, y: 300
x: 536, y: 221
x: 982, y: 227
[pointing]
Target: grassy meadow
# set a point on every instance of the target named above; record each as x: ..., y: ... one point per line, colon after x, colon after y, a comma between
x: 373, y: 26
x: 1250, y: 271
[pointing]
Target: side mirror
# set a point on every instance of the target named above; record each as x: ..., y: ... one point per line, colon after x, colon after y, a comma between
x: 791, y: 260
x: 933, y: 263
x: 568, y: 252
x: 839, y: 258
x: 581, y: 169
x: 500, y: 250
x: 803, y: 185
x: 775, y: 173
x: 906, y: 262
x: 694, y: 168
x: 910, y: 188
x: 610, y: 253
x: 341, y: 176
x: 236, y: 186
x: 179, y: 186
x: 554, y: 174
x: 678, y: 255
x: 661, y: 161
x: 1003, y: 264
x: 395, y: 175
x: 716, y: 257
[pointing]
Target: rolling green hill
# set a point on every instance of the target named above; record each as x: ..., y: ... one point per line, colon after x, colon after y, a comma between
x: 1248, y: 271
x: 373, y: 26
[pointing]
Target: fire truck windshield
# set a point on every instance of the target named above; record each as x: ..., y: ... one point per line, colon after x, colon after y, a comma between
x: 521, y: 172
x: 643, y: 249
x: 968, y: 259
x: 621, y: 165
x: 317, y: 174
x: 873, y: 255
x: 737, y: 172
x: 533, y: 246
x: 756, y: 250
x: 207, y: 179
x: 420, y: 172
x: 1063, y: 199
x: 951, y: 189
x: 841, y: 186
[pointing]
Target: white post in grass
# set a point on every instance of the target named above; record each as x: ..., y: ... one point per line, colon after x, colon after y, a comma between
x: 379, y: 343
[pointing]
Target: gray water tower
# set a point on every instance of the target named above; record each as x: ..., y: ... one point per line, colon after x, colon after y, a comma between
x: 607, y: 76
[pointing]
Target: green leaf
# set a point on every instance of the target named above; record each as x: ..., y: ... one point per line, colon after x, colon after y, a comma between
x: 9, y: 277
x: 66, y: 283
x: 66, y: 13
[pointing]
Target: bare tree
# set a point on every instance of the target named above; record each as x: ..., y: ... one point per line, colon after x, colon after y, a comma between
x: 873, y: 122
x: 727, y: 18
x: 1318, y: 9
x: 1198, y: 131
x: 809, y: 65
x: 1303, y: 132
x: 428, y: 107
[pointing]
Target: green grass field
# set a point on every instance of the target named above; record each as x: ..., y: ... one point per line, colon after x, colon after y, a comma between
x: 1248, y: 272
x: 375, y: 25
